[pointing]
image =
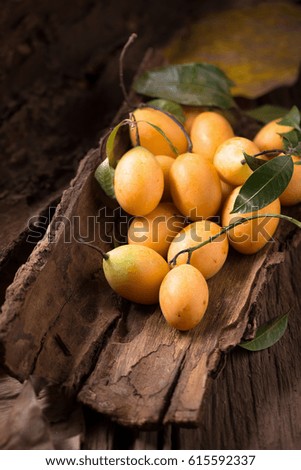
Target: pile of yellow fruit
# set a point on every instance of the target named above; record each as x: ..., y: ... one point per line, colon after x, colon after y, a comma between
x: 173, y: 192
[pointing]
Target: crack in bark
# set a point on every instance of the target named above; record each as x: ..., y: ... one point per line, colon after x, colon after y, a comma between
x: 51, y: 326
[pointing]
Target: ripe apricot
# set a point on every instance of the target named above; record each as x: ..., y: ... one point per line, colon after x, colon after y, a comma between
x: 165, y: 163
x: 229, y: 160
x: 157, y: 229
x: 138, y: 181
x: 268, y: 137
x: 208, y: 259
x: 195, y: 186
x: 184, y: 297
x: 135, y: 272
x: 151, y: 139
x: 292, y: 193
x: 209, y: 130
x: 251, y: 236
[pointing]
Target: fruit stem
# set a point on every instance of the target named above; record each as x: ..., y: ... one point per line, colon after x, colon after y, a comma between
x: 130, y: 41
x: 96, y: 248
x: 133, y: 122
x: 265, y: 152
x: 230, y: 227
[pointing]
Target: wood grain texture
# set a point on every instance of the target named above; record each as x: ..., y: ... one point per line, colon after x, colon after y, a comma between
x: 59, y: 277
x: 255, y: 400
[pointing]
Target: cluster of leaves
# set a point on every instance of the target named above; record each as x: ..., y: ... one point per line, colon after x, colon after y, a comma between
x: 201, y: 84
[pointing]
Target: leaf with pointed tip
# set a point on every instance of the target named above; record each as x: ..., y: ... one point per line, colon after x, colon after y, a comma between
x: 267, y: 113
x: 104, y: 175
x: 292, y: 118
x: 158, y: 129
x: 195, y: 84
x: 111, y: 143
x: 292, y: 142
x: 253, y: 162
x: 264, y: 185
x: 170, y: 107
x: 267, y: 334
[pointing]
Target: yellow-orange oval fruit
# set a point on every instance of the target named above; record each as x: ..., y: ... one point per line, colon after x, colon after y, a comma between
x: 138, y: 181
x: 292, y: 193
x: 208, y: 131
x: 165, y: 163
x: 195, y: 186
x: 208, y: 259
x: 157, y: 229
x: 153, y: 140
x: 135, y: 272
x: 226, y: 190
x: 184, y: 297
x: 251, y: 236
x: 268, y: 137
x: 229, y: 160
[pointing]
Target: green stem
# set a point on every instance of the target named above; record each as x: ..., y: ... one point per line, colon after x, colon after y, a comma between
x: 134, y: 123
x: 265, y: 152
x: 240, y: 221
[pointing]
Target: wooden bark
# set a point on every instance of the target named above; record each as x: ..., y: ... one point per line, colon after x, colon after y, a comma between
x: 255, y: 401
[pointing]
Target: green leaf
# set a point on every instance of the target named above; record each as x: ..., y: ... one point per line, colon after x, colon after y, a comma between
x: 267, y: 334
x: 264, y: 185
x: 266, y: 113
x: 292, y: 142
x: 292, y: 118
x: 104, y: 175
x: 111, y: 143
x: 254, y: 162
x: 169, y: 107
x: 196, y: 84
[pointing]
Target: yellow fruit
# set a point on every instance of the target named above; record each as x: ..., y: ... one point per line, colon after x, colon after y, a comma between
x: 151, y: 139
x: 195, y: 186
x: 268, y: 137
x: 209, y: 130
x: 135, y: 272
x: 138, y: 182
x: 157, y: 229
x: 251, y: 236
x: 229, y: 160
x: 190, y: 112
x: 292, y: 193
x: 226, y: 190
x: 208, y: 259
x: 165, y: 163
x: 184, y: 297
